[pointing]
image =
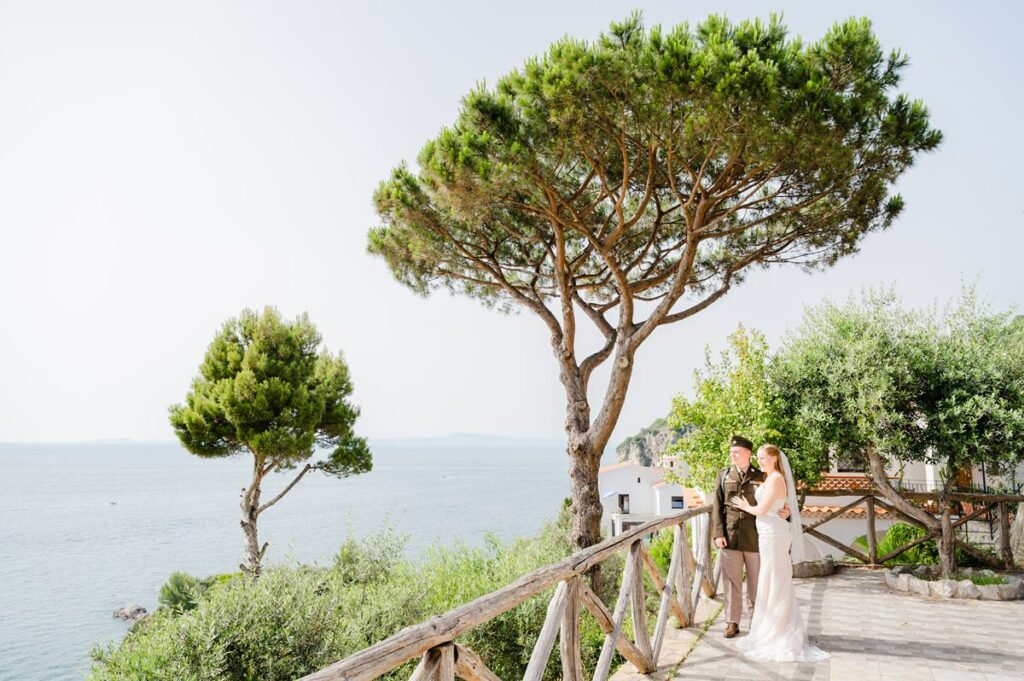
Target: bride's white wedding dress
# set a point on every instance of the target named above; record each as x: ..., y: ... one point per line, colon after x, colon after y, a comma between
x: 777, y: 631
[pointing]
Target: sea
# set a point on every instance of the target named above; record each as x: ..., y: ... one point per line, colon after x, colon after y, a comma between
x: 86, y: 529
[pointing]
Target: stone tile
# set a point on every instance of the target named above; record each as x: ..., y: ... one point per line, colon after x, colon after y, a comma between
x: 873, y: 634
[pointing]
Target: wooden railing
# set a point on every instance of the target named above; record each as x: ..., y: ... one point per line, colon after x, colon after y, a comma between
x: 442, y: 659
x: 982, y: 505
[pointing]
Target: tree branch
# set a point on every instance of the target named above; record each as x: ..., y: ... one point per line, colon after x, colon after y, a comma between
x: 264, y: 507
x: 881, y: 480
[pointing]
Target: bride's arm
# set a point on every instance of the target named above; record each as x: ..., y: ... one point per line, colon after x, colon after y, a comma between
x: 774, y: 489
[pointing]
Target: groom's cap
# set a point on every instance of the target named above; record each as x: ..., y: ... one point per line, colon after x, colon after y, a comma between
x: 740, y: 441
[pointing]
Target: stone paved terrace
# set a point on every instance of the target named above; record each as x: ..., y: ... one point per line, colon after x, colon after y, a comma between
x: 872, y: 633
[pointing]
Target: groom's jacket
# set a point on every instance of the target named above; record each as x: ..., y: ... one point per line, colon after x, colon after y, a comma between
x: 738, y: 527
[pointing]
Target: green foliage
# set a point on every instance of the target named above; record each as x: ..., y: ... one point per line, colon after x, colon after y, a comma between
x: 926, y: 553
x: 984, y: 580
x: 900, y: 534
x: 264, y: 385
x: 835, y: 390
x: 972, y: 388
x: 733, y: 395
x: 661, y: 550
x: 296, y: 619
x: 792, y: 149
x: 650, y: 169
x: 950, y: 390
x: 181, y: 592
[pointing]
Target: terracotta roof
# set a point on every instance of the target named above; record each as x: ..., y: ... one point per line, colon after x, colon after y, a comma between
x: 855, y: 512
x: 833, y: 482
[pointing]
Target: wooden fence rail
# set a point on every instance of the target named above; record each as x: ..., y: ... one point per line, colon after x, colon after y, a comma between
x: 984, y: 504
x: 688, y: 576
x: 442, y: 659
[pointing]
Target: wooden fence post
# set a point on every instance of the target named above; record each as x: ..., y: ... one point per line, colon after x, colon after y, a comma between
x: 546, y: 640
x: 872, y: 537
x: 604, y: 662
x: 684, y: 576
x: 1004, y: 535
x: 638, y: 603
x: 569, y: 637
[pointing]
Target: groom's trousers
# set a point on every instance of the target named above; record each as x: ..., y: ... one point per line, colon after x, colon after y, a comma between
x: 733, y: 563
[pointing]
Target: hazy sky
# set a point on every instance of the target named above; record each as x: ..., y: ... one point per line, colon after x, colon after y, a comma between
x: 163, y: 165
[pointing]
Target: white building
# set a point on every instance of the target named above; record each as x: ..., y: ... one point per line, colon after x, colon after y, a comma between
x: 632, y: 494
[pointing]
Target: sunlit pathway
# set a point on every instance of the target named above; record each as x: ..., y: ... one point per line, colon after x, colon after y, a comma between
x: 872, y: 634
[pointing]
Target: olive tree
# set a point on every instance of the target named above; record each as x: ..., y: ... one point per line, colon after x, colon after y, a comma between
x: 266, y: 388
x: 630, y: 182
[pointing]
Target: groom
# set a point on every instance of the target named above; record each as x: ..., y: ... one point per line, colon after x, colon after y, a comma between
x: 735, y: 532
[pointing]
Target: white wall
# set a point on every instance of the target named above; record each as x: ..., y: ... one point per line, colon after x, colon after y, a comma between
x: 636, y: 481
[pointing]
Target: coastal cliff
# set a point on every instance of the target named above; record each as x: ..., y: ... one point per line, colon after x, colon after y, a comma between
x: 649, y: 444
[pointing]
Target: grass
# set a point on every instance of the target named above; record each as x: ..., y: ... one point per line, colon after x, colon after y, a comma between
x: 980, y: 580
x: 983, y: 580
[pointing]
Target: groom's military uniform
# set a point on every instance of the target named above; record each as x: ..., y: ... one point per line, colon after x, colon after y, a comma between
x: 740, y: 531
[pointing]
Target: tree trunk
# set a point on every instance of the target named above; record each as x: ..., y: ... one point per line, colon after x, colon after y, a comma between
x: 586, y: 440
x: 251, y: 564
x: 586, y: 497
x: 947, y: 542
x: 584, y: 464
x: 250, y: 512
x: 876, y: 468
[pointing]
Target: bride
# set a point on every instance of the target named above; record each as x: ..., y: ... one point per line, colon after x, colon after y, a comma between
x: 777, y: 631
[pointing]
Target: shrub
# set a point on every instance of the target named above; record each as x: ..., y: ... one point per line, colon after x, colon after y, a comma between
x: 181, y: 592
x: 295, y: 619
x: 661, y: 550
x: 903, y: 533
x: 926, y: 553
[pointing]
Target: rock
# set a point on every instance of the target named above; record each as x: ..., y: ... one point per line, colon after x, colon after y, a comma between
x: 1007, y: 592
x: 965, y: 588
x: 922, y: 572
x: 901, y: 570
x: 891, y: 580
x: 943, y: 588
x: 649, y: 444
x: 985, y: 573
x: 920, y: 586
x: 903, y: 582
x: 131, y: 613
x: 815, y: 568
x: 990, y: 592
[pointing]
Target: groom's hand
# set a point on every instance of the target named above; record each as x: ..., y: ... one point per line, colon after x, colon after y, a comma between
x: 720, y: 542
